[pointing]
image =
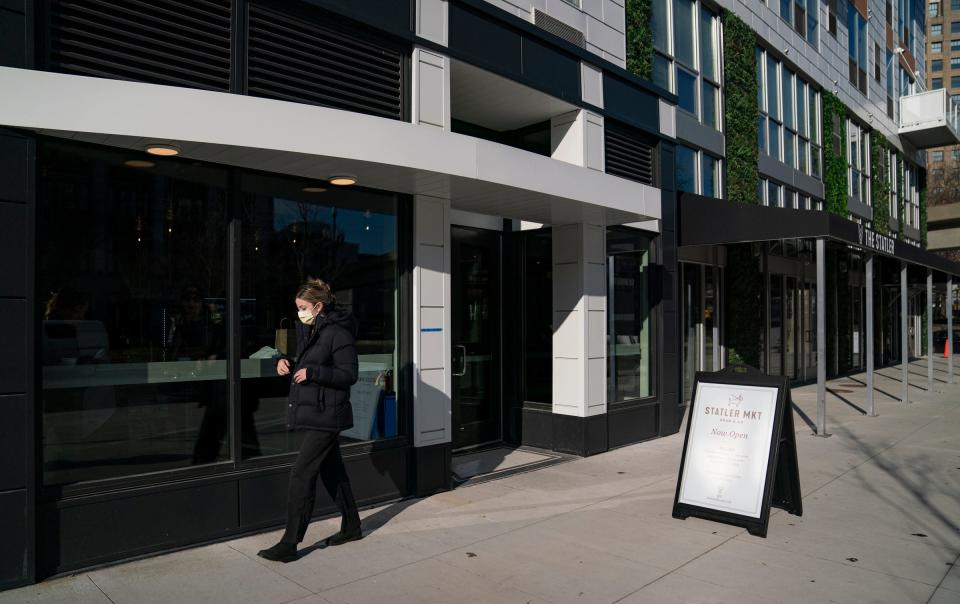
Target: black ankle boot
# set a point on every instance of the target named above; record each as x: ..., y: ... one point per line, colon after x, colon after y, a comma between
x: 344, y: 536
x: 281, y: 552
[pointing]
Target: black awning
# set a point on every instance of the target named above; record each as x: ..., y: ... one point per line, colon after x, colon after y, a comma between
x: 709, y: 221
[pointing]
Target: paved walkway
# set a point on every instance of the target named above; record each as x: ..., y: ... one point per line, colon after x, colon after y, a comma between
x: 881, y: 517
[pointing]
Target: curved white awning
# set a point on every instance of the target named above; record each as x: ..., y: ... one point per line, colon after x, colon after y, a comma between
x: 315, y: 142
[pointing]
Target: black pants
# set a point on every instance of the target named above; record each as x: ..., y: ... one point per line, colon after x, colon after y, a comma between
x: 319, y: 457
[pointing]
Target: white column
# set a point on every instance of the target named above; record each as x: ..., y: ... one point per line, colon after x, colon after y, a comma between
x: 871, y: 410
x: 432, y: 21
x: 430, y: 98
x: 576, y: 137
x: 432, y: 385
x: 579, y: 320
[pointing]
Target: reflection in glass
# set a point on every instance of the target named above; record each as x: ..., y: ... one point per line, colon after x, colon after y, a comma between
x: 661, y: 25
x: 686, y: 169
x: 347, y: 237
x: 683, y: 30
x: 131, y: 268
x: 686, y: 91
x: 628, y: 308
x: 537, y: 324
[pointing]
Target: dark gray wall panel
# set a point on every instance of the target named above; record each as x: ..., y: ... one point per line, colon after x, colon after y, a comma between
x: 633, y: 423
x: 15, y: 157
x: 13, y: 442
x: 390, y: 15
x: 13, y: 539
x: 84, y: 533
x: 13, y: 250
x: 378, y: 476
x: 551, y: 70
x: 13, y: 39
x: 484, y: 42
x: 13, y: 346
x: 630, y: 104
x: 17, y: 6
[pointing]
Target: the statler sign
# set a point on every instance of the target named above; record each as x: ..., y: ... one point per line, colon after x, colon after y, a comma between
x: 739, y: 455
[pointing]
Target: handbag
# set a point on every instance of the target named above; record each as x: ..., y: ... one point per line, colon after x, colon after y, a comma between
x: 285, y: 340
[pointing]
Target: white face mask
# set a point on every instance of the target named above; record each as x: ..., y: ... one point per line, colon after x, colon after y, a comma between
x: 306, y: 316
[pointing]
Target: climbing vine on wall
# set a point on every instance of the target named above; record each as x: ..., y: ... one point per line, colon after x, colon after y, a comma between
x: 901, y: 192
x: 880, y: 182
x: 740, y: 109
x: 640, y: 38
x: 835, y: 154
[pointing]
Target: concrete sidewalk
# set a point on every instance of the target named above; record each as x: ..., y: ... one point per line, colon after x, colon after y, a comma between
x: 881, y: 523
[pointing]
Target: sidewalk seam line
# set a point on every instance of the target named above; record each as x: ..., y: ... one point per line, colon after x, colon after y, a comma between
x: 273, y: 571
x: 942, y: 579
x: 101, y: 590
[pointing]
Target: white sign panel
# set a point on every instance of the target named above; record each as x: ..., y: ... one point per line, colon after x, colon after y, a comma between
x: 728, y: 448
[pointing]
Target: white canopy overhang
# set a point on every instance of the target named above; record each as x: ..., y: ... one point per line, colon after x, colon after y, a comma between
x: 317, y: 142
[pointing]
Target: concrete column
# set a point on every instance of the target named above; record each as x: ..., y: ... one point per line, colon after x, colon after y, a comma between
x: 929, y: 330
x: 950, y: 329
x: 871, y: 410
x: 579, y: 320
x: 576, y: 137
x: 432, y: 21
x: 432, y: 384
x: 430, y: 98
x: 821, y: 337
x: 904, y: 348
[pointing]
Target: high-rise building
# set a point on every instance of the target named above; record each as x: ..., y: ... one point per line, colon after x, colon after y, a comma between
x: 943, y: 182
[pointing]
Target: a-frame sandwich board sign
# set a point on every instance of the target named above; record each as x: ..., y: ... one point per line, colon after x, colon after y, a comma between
x: 739, y: 453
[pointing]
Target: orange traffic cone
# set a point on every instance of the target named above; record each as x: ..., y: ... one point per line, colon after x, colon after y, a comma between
x: 946, y: 348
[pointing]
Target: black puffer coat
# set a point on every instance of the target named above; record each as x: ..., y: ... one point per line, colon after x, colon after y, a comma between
x: 327, y: 351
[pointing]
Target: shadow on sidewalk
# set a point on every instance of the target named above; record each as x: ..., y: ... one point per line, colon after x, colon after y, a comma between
x: 913, y: 475
x: 371, y: 523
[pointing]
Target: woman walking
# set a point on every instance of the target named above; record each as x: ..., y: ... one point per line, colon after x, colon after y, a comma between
x: 323, y: 371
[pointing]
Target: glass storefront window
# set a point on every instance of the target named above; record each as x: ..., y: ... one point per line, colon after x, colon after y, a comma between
x: 131, y: 268
x: 347, y: 237
x: 537, y: 324
x: 132, y: 272
x: 629, y: 363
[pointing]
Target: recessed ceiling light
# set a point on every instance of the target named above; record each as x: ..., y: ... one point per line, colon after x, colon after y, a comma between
x: 139, y: 163
x: 313, y: 189
x: 163, y: 150
x: 343, y: 180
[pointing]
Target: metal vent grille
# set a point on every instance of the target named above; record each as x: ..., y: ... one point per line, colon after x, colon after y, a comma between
x: 558, y: 28
x: 630, y: 153
x: 293, y: 59
x: 180, y: 43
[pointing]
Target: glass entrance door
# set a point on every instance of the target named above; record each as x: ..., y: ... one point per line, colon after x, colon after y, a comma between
x: 475, y: 318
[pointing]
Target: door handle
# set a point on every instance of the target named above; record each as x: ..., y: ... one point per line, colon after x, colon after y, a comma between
x: 462, y: 350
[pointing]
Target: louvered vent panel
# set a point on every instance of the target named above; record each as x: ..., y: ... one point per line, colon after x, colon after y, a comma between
x: 185, y: 43
x: 293, y: 59
x: 558, y: 28
x: 630, y: 153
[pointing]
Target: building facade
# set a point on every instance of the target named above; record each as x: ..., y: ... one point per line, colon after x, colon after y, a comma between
x: 839, y: 125
x: 943, y: 71
x: 548, y: 215
x: 483, y: 183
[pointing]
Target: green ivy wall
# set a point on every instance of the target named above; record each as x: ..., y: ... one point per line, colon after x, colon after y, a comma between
x: 834, y: 155
x: 639, y: 38
x: 880, y: 182
x: 740, y: 109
